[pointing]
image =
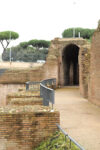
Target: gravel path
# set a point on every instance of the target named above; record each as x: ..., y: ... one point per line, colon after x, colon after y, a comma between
x: 78, y: 117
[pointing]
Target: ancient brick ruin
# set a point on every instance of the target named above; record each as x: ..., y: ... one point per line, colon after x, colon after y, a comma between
x: 62, y: 63
x: 72, y: 61
x: 69, y: 61
x: 25, y: 122
x: 94, y: 78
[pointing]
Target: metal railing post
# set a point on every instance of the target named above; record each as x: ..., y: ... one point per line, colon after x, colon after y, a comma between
x: 27, y: 86
x: 46, y: 91
x: 70, y: 138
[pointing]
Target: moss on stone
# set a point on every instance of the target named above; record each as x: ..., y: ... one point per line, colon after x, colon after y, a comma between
x: 24, y: 109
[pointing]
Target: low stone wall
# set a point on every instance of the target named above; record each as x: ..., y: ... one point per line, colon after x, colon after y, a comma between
x: 5, y: 89
x: 26, y: 101
x: 23, y: 94
x: 23, y: 127
x: 20, y: 76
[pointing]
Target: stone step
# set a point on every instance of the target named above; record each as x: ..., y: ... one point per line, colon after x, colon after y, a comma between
x: 31, y: 89
x: 26, y: 101
x: 2, y: 71
x: 23, y: 94
x: 70, y: 87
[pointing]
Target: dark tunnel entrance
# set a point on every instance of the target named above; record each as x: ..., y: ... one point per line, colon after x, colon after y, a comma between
x: 70, y: 65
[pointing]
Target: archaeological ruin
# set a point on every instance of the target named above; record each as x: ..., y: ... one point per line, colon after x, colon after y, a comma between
x: 67, y: 61
x: 73, y: 62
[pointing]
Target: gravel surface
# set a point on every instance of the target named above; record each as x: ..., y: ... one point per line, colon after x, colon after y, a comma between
x: 78, y: 117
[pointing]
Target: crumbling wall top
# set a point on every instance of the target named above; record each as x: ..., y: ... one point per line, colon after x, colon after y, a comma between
x: 98, y: 28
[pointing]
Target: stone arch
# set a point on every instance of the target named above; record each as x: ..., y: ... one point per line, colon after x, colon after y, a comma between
x: 70, y: 65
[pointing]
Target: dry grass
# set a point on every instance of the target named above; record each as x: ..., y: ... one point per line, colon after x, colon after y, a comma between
x: 19, y: 65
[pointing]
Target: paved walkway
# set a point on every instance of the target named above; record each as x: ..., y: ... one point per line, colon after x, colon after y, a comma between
x: 79, y: 118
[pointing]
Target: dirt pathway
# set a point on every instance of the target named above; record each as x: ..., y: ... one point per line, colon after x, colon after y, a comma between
x: 79, y: 118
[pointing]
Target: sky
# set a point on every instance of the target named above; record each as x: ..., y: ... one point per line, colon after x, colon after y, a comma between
x: 46, y: 19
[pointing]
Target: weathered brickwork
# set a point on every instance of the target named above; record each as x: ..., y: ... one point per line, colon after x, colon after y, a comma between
x: 56, y: 52
x: 84, y: 65
x: 5, y: 89
x: 20, y: 76
x: 25, y: 122
x: 23, y: 127
x: 23, y: 94
x: 94, y: 84
x: 26, y: 101
x: 53, y: 68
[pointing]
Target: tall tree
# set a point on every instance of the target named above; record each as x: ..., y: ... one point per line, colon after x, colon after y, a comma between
x: 85, y: 33
x: 39, y: 43
x: 6, y: 37
x: 24, y: 44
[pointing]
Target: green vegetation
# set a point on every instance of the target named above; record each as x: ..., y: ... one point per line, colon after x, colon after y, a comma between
x: 6, y: 37
x: 85, y: 33
x: 39, y: 43
x: 56, y: 142
x: 26, y: 53
x: 24, y: 44
x: 36, y: 43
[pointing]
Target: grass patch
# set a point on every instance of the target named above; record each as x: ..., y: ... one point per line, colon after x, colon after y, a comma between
x: 57, y: 142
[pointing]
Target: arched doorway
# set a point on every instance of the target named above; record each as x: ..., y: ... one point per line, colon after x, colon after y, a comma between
x: 70, y: 65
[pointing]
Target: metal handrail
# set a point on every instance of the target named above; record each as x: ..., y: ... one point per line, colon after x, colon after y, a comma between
x: 46, y: 92
x: 33, y: 84
x: 71, y: 139
x: 51, y: 81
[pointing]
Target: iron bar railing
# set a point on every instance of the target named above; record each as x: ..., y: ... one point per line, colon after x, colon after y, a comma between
x: 49, y: 83
x: 33, y: 86
x: 46, y: 92
x: 70, y: 138
x: 46, y: 88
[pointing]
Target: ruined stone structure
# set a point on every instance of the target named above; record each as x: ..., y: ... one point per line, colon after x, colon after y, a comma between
x: 94, y: 80
x: 72, y: 61
x: 62, y: 63
x: 69, y: 53
x: 25, y: 122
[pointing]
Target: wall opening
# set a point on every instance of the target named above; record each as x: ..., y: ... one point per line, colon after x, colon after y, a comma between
x: 70, y: 65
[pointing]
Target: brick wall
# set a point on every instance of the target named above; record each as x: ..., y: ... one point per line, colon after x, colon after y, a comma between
x: 26, y: 101
x: 22, y: 128
x: 25, y: 122
x: 20, y: 76
x: 11, y: 80
x: 23, y: 94
x: 84, y: 69
x: 5, y: 89
x: 49, y: 70
x: 94, y: 84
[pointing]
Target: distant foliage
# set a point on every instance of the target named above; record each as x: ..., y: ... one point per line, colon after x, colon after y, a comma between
x: 24, y: 44
x: 30, y: 51
x: 6, y: 37
x: 85, y: 33
x: 39, y: 43
x: 26, y: 54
